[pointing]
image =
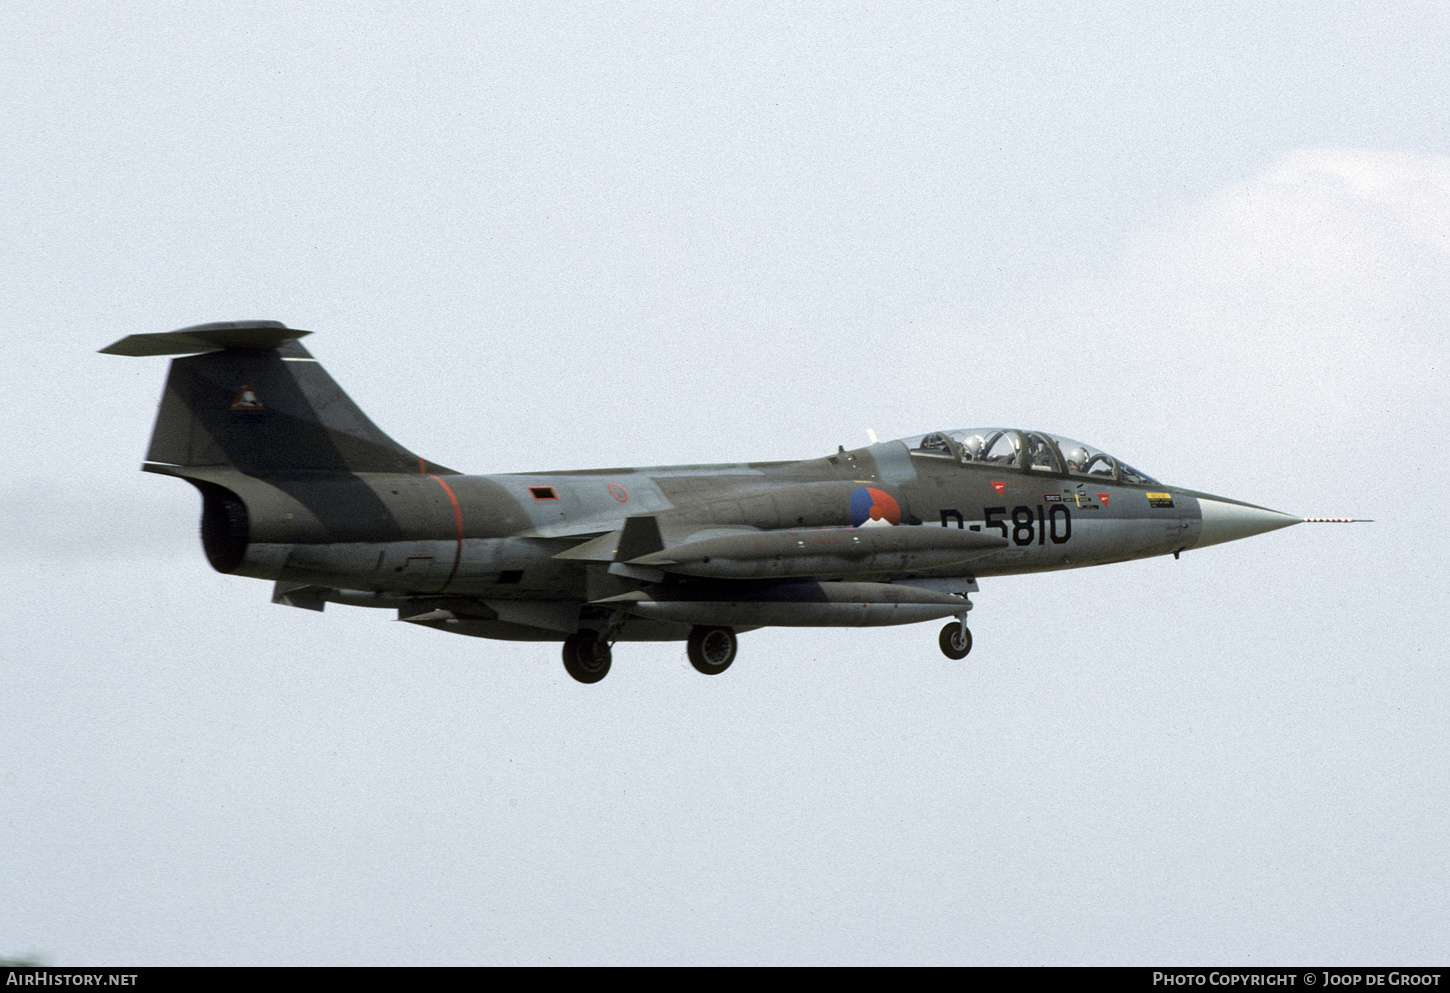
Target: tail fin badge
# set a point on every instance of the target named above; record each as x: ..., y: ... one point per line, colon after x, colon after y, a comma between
x: 246, y: 398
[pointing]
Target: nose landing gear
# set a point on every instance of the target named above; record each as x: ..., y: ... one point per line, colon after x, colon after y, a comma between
x: 956, y: 640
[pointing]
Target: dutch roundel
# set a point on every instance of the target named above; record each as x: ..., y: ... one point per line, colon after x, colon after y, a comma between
x: 873, y: 508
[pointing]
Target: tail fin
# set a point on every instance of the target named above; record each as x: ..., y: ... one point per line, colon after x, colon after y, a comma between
x: 256, y: 401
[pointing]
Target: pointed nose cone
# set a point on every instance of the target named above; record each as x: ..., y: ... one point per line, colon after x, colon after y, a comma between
x: 1224, y: 521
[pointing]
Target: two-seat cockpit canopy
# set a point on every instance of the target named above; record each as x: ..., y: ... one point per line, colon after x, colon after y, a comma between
x: 1024, y: 451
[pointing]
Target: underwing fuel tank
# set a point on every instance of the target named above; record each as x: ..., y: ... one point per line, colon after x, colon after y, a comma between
x: 822, y: 552
x: 802, y: 604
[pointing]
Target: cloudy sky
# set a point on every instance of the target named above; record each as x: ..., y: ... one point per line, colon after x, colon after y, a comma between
x: 1214, y: 241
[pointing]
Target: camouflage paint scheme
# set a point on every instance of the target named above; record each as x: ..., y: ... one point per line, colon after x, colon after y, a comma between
x: 299, y: 487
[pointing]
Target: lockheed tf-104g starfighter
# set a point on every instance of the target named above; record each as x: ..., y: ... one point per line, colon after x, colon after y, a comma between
x: 299, y: 487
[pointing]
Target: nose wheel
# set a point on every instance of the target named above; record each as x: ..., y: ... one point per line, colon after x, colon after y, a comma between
x: 955, y: 640
x: 586, y: 657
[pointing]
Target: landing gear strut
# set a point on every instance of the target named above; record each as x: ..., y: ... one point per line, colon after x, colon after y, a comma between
x: 586, y: 657
x: 711, y: 650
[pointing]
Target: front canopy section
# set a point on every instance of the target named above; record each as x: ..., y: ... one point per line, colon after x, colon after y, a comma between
x: 998, y: 446
x: 1025, y: 451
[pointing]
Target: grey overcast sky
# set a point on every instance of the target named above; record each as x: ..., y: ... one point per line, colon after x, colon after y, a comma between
x: 1211, y: 239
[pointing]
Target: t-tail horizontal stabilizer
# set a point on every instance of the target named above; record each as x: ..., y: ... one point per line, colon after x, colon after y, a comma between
x: 257, y: 402
x: 255, y: 336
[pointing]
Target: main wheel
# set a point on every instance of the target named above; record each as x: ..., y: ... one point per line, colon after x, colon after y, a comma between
x: 956, y: 641
x: 711, y: 650
x: 586, y: 658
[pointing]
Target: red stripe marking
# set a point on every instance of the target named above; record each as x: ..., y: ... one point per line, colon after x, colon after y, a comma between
x: 422, y: 469
x: 458, y: 519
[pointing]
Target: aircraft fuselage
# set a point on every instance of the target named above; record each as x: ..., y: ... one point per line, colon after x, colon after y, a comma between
x: 498, y: 535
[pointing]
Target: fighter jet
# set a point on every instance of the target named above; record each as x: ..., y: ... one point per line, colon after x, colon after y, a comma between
x: 299, y: 487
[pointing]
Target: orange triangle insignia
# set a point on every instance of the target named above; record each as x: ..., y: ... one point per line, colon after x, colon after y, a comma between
x: 246, y: 398
x: 1104, y: 498
x: 1000, y: 488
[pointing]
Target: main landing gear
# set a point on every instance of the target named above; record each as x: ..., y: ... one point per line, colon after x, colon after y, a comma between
x: 711, y: 650
x: 587, y: 656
